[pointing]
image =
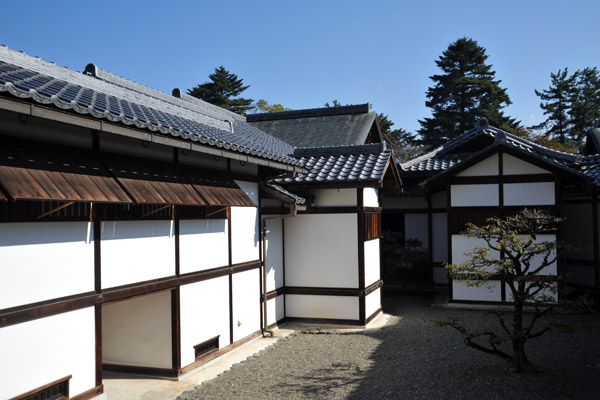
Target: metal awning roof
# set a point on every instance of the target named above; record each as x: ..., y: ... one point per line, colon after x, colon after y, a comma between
x: 153, y: 182
x: 27, y: 174
x: 217, y: 190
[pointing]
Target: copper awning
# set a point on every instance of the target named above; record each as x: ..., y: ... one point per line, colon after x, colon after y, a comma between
x: 217, y: 189
x: 153, y: 182
x: 27, y: 174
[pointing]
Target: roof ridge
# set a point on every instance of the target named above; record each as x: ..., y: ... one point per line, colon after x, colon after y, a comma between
x: 311, y: 112
x: 349, y: 149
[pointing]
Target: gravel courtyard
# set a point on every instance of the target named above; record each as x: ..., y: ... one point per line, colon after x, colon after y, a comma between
x: 412, y: 359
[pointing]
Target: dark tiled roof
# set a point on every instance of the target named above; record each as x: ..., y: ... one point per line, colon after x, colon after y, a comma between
x: 450, y: 153
x: 453, y: 153
x: 342, y: 164
x: 328, y: 126
x: 108, y: 96
x: 281, y: 192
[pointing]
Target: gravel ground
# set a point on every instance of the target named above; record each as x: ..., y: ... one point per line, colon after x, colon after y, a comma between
x: 412, y: 359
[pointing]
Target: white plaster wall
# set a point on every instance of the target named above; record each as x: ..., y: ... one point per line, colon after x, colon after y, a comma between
x: 204, y: 314
x: 416, y: 227
x: 274, y: 254
x: 203, y: 244
x: 275, y: 309
x: 463, y: 245
x: 138, y: 331
x: 529, y: 194
x: 439, y: 223
x: 372, y: 267
x: 515, y: 166
x: 135, y: 251
x: 489, y: 291
x: 321, y: 250
x: 334, y: 197
x: 41, y: 351
x: 370, y: 197
x: 487, y: 167
x: 440, y: 275
x: 245, y: 227
x: 372, y: 302
x: 546, y: 295
x: 474, y: 195
x: 537, y: 261
x: 334, y: 307
x: 439, y: 200
x: 404, y: 202
x: 246, y: 303
x: 578, y: 228
x: 44, y: 260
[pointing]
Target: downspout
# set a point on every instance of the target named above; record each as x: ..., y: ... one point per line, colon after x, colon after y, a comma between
x: 264, y: 219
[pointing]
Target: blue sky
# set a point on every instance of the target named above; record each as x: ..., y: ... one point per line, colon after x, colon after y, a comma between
x: 305, y: 53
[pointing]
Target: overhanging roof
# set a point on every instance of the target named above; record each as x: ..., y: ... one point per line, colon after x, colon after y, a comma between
x: 27, y: 174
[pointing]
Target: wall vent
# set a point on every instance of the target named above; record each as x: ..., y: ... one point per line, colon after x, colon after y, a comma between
x: 206, y: 347
x: 56, y: 390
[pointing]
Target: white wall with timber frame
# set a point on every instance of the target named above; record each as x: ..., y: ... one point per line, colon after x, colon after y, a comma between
x: 140, y: 294
x: 330, y: 266
x: 467, y: 199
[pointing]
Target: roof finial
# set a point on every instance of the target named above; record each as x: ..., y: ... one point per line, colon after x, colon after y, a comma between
x: 482, y: 123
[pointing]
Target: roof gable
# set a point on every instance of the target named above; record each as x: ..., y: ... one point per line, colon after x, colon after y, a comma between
x: 330, y: 126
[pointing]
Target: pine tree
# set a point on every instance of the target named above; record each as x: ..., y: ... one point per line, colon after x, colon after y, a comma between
x: 585, y: 103
x: 463, y: 93
x: 221, y: 91
x: 556, y: 103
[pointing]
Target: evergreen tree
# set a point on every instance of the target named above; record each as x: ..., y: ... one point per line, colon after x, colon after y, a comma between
x: 556, y: 103
x: 263, y: 106
x: 463, y: 93
x: 221, y: 91
x: 585, y: 104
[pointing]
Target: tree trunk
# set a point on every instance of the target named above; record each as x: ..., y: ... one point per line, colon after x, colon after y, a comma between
x: 519, y: 358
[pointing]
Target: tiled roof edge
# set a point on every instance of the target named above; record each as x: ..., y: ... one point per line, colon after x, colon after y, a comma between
x: 311, y: 112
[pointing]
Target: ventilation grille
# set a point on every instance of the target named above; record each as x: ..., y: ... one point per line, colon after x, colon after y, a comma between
x: 206, y: 347
x: 57, y: 390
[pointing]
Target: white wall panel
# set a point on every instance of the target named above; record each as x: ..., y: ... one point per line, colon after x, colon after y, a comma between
x: 372, y: 302
x: 203, y: 244
x: 487, y: 167
x: 537, y: 261
x: 404, y: 202
x: 515, y: 166
x: 489, y: 291
x: 370, y: 197
x: 463, y: 245
x: 274, y: 254
x: 246, y: 303
x: 529, y: 194
x: 321, y: 250
x: 134, y: 251
x: 275, y: 309
x: 138, y: 331
x: 372, y: 267
x: 416, y: 227
x: 474, y: 195
x: 439, y: 222
x: 244, y: 234
x: 546, y: 295
x: 245, y: 227
x: 204, y: 314
x: 334, y: 197
x: 334, y: 307
x: 44, y: 260
x: 43, y: 350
